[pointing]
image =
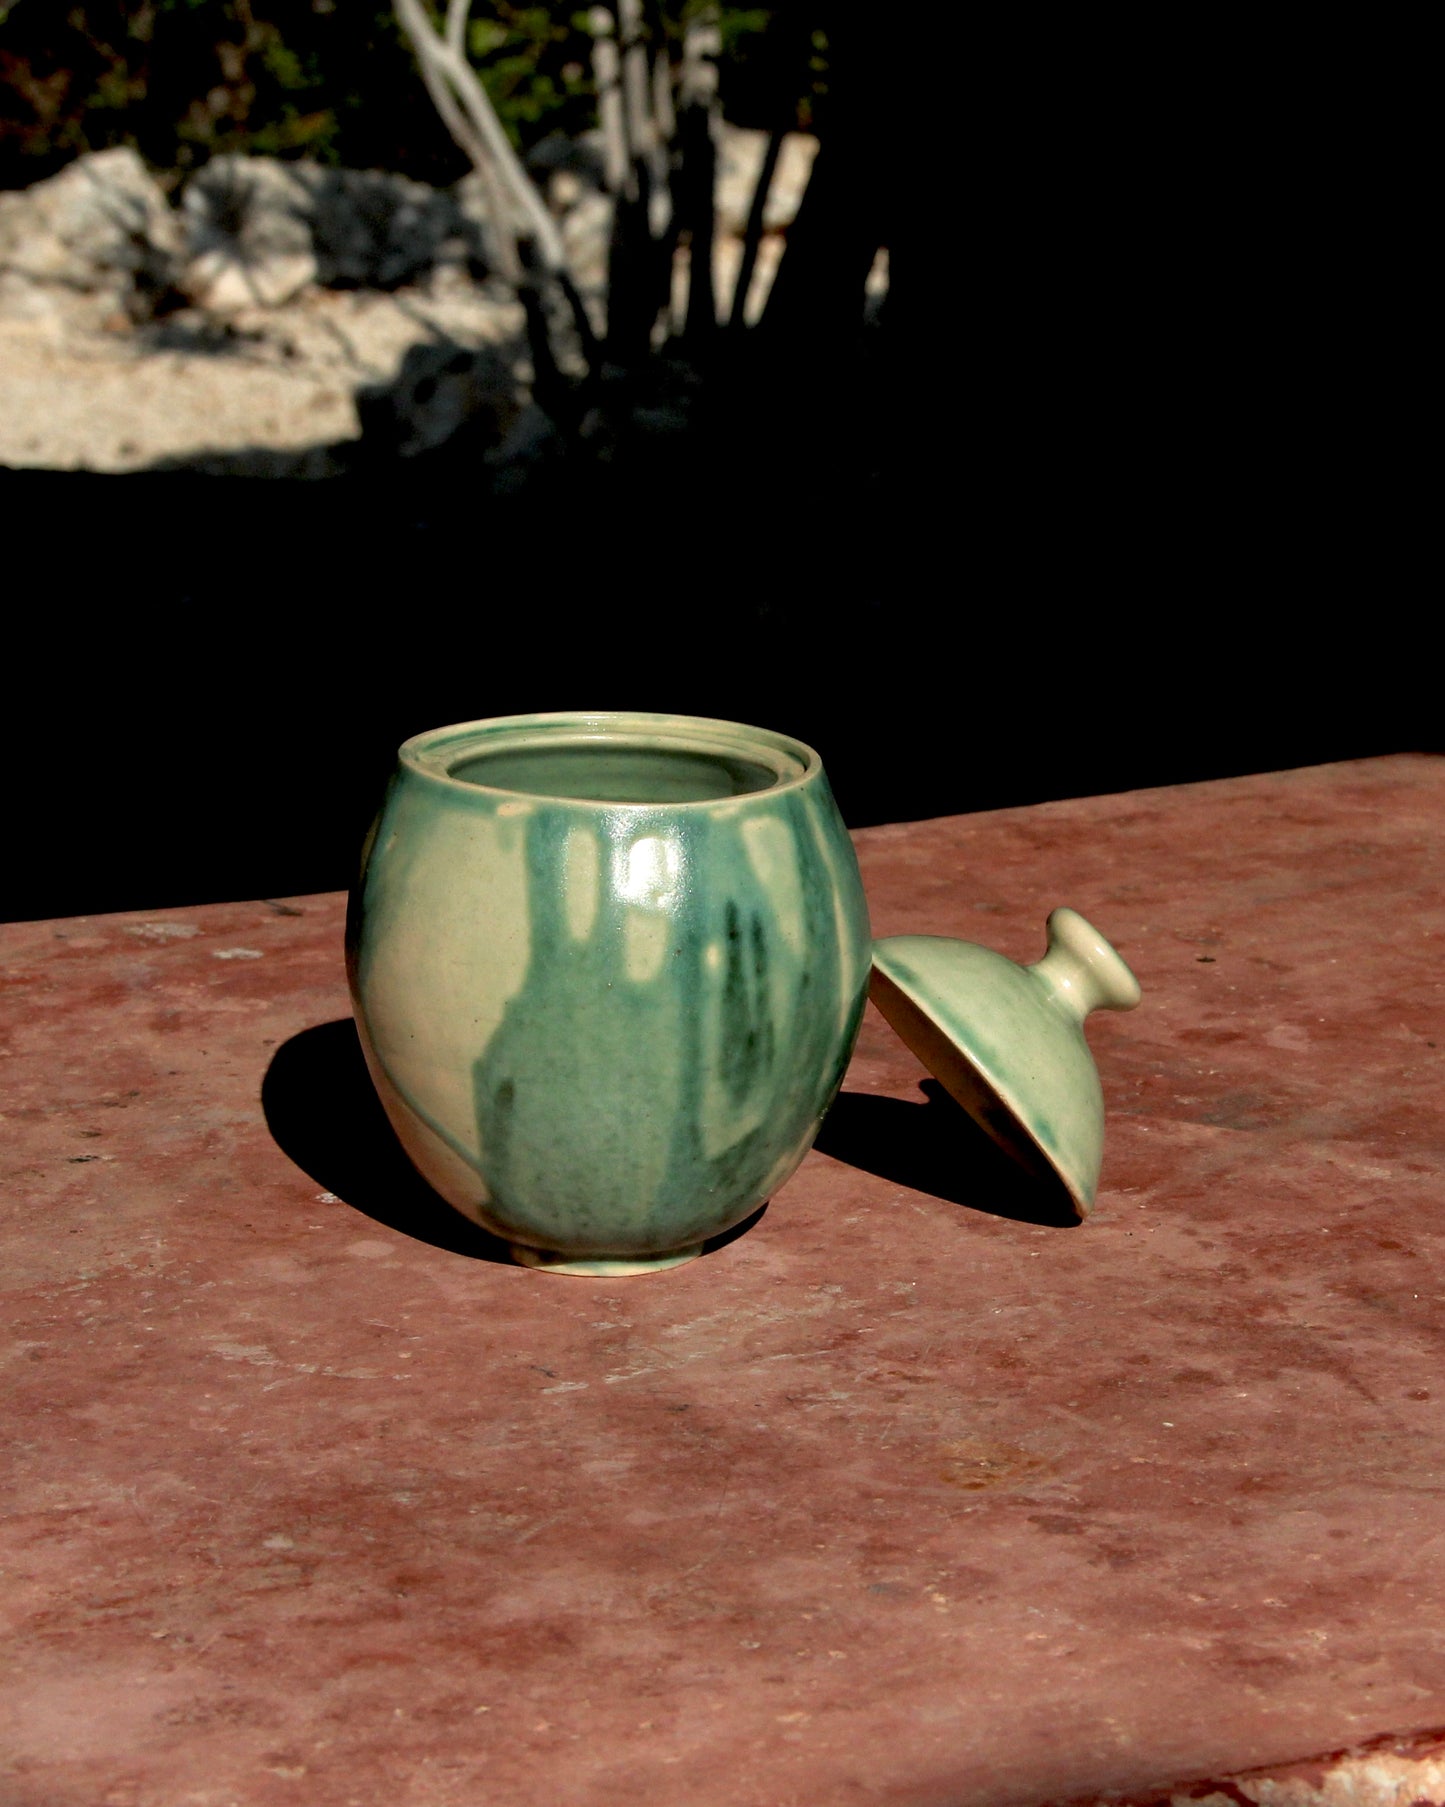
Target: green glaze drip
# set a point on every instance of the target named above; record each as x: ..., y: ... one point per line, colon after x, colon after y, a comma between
x: 609, y: 1030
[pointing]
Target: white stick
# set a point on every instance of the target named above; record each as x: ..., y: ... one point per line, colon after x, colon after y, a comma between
x: 663, y: 115
x: 701, y: 46
x: 458, y: 12
x: 607, y: 73
x: 640, y: 129
x: 503, y: 237
x: 485, y: 131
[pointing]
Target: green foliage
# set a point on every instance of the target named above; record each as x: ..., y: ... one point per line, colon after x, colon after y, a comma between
x: 535, y: 62
x: 182, y: 80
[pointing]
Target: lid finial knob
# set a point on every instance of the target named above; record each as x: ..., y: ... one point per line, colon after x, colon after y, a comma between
x: 1082, y: 969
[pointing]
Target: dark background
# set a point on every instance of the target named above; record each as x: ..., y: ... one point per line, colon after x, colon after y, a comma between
x: 214, y: 714
x: 1119, y: 498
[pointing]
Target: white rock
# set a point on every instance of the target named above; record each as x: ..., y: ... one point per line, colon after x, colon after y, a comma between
x: 469, y: 196
x: 224, y: 280
x: 739, y: 164
x: 259, y: 231
x: 440, y: 390
x: 100, y: 228
x: 269, y: 391
x: 580, y: 157
x: 587, y: 238
x: 248, y: 232
x: 374, y: 230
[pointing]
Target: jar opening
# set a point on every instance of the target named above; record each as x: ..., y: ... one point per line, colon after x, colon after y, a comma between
x: 651, y: 761
x: 614, y: 771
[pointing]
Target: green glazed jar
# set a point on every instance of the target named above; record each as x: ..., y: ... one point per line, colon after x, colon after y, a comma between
x: 608, y: 971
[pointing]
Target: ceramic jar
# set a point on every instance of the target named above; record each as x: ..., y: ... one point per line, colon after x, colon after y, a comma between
x: 608, y: 970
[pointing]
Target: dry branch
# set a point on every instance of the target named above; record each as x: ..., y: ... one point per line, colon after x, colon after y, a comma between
x: 470, y: 117
x: 607, y: 73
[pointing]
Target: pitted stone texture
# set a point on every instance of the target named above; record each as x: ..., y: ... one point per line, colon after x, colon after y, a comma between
x: 893, y: 1499
x: 288, y: 384
x: 259, y: 231
x: 101, y: 230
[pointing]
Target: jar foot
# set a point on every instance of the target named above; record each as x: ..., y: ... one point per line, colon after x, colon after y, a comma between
x: 601, y: 1267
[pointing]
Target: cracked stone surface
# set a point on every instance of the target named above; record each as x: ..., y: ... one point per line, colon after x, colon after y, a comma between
x: 906, y: 1496
x: 269, y: 380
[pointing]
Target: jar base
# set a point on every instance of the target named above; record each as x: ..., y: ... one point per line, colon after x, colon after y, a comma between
x: 600, y: 1267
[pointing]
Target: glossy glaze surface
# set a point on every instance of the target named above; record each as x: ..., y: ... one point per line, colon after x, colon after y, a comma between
x: 1008, y: 1040
x: 607, y: 1022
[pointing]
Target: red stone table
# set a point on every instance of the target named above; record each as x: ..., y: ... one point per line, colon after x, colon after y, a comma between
x: 903, y: 1496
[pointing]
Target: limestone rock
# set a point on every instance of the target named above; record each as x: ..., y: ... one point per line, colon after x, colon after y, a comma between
x: 260, y: 231
x: 587, y: 239
x: 441, y: 390
x: 101, y: 229
x: 263, y: 391
x: 580, y: 158
x: 374, y: 230
x: 740, y: 161
x: 248, y: 230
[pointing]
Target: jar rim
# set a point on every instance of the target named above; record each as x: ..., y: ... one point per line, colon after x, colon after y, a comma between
x: 436, y: 754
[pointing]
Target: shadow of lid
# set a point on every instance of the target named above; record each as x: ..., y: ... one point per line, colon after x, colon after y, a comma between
x: 323, y: 1113
x: 936, y: 1147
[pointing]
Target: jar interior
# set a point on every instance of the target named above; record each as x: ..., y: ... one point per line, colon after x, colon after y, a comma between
x: 615, y: 772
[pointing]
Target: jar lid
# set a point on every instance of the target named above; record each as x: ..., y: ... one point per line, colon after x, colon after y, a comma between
x: 1007, y: 1041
